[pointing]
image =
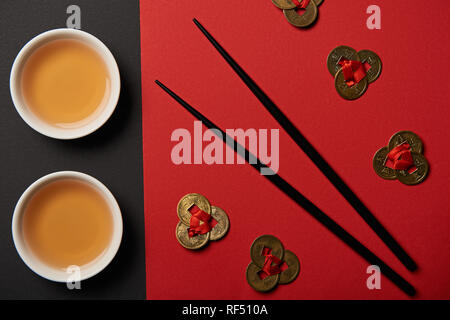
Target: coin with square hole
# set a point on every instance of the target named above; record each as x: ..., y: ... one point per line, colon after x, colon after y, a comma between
x: 223, y: 223
x: 257, y: 282
x: 349, y: 92
x: 187, y: 202
x: 418, y: 174
x: 302, y: 19
x: 266, y: 241
x: 406, y: 136
x: 293, y: 264
x: 374, y: 62
x: 192, y: 243
x: 379, y: 165
x: 337, y: 54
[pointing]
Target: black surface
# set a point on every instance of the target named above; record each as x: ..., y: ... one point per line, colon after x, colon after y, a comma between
x: 113, y: 154
x: 245, y: 309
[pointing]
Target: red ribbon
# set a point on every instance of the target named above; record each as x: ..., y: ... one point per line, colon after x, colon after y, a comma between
x: 302, y: 4
x: 354, y: 71
x: 401, y: 157
x: 272, y: 265
x: 198, y: 216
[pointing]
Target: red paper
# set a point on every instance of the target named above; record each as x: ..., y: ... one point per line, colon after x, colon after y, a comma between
x: 412, y: 93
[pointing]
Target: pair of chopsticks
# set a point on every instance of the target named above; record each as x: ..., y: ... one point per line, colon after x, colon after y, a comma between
x: 320, y: 162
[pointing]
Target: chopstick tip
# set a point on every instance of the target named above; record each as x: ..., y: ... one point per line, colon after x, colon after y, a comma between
x: 159, y: 83
x: 411, y: 292
x: 197, y: 23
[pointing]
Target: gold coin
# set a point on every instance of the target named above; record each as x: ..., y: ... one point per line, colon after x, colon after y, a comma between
x: 291, y: 273
x: 418, y: 175
x: 288, y: 4
x: 222, y: 226
x: 187, y: 202
x: 284, y: 4
x: 255, y: 281
x: 265, y: 241
x: 196, y: 242
x: 406, y: 136
x: 304, y: 20
x: 338, y: 53
x: 379, y: 165
x: 346, y: 92
x: 375, y: 64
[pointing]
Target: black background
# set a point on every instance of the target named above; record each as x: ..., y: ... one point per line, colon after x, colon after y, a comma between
x: 113, y: 154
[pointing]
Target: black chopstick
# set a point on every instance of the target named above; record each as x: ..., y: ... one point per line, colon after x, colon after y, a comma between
x: 300, y: 199
x: 315, y: 156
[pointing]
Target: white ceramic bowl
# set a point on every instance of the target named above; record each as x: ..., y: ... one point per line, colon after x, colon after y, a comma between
x: 41, y: 126
x: 41, y: 268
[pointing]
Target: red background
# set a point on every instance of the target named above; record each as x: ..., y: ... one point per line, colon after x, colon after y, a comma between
x: 290, y: 65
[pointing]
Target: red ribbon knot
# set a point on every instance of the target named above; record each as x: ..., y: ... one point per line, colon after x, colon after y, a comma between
x: 354, y: 71
x: 197, y: 217
x: 302, y: 4
x: 272, y: 265
x: 401, y: 157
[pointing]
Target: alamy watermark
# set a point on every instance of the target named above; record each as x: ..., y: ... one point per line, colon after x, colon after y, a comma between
x: 374, y: 280
x: 208, y: 147
x: 74, y: 20
x: 374, y: 20
x: 74, y: 277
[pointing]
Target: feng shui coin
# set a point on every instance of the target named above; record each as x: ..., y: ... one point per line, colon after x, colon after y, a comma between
x: 255, y: 281
x: 291, y: 273
x: 418, y: 175
x: 284, y: 4
x: 289, y: 4
x: 338, y: 53
x: 265, y: 241
x: 196, y: 242
x: 375, y: 64
x: 304, y: 20
x: 349, y: 92
x: 406, y: 136
x: 187, y: 202
x: 222, y: 226
x: 379, y: 165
